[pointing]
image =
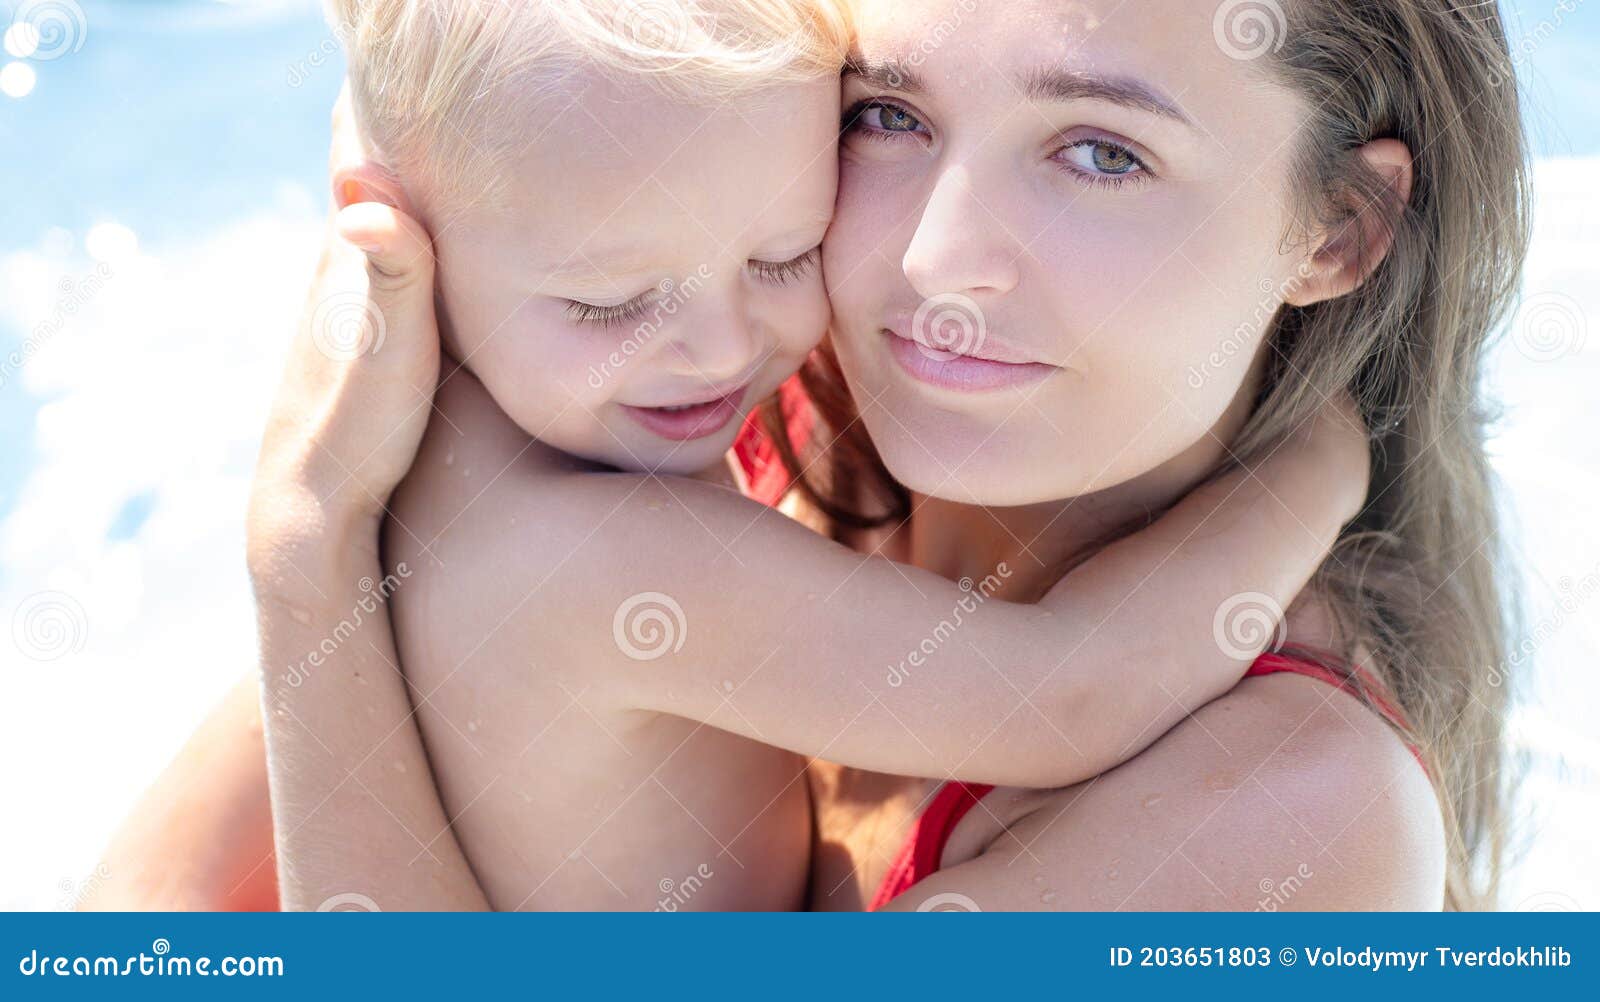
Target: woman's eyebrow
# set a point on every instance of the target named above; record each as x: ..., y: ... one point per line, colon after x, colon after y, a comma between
x: 1048, y: 84
x: 1052, y: 84
x: 889, y: 74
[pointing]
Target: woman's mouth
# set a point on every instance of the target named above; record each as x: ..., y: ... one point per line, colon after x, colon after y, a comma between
x: 688, y: 421
x: 954, y: 370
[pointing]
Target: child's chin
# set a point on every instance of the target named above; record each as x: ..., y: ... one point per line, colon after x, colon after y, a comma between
x: 677, y: 459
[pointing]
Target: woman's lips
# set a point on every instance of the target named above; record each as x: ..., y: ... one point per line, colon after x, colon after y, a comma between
x: 684, y: 424
x: 969, y: 373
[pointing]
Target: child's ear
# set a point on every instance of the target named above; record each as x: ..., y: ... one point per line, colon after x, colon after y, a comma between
x: 365, y: 181
x: 1349, y: 252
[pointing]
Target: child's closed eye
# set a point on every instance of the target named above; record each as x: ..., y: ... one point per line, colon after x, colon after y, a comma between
x: 784, y: 272
x: 619, y: 315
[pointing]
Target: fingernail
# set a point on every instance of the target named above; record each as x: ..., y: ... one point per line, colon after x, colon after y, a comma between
x: 362, y: 245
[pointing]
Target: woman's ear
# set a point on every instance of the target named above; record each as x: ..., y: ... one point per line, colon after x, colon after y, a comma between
x: 365, y: 181
x: 1349, y: 252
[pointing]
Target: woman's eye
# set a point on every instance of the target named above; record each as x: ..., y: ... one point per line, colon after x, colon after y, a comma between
x: 579, y: 312
x: 1103, y: 162
x: 783, y: 272
x: 883, y: 118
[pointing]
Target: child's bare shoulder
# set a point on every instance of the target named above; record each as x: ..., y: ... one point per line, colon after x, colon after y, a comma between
x: 474, y: 463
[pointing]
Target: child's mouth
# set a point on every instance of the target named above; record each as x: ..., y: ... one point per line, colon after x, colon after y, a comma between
x: 686, y: 422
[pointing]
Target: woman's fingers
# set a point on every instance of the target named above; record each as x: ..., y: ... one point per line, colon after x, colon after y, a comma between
x: 374, y: 328
x: 358, y: 390
x: 398, y: 252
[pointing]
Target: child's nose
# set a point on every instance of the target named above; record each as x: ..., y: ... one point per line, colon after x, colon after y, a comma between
x: 717, y: 345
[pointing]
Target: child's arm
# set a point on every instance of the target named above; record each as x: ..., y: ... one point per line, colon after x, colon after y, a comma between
x: 686, y: 599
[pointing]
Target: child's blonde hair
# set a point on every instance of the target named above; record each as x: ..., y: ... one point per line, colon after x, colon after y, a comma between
x: 430, y: 79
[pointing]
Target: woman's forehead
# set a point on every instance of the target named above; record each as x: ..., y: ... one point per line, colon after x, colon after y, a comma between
x: 1177, y: 45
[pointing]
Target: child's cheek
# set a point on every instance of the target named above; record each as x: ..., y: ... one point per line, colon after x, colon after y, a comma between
x: 801, y: 328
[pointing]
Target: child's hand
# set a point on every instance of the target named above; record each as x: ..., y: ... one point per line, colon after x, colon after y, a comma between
x: 358, y: 389
x: 1338, y: 441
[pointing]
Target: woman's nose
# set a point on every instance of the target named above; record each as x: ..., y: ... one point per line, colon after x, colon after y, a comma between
x: 960, y: 244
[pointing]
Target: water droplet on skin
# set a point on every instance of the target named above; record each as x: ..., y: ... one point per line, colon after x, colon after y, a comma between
x: 1113, y: 873
x: 1047, y: 897
x: 727, y: 685
x: 300, y: 616
x: 1038, y: 878
x: 400, y: 767
x: 450, y: 458
x: 1151, y: 801
x: 811, y: 596
x: 472, y: 725
x: 466, y: 472
x: 513, y: 520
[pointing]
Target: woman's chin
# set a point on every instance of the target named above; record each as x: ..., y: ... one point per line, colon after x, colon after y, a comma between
x: 963, y: 476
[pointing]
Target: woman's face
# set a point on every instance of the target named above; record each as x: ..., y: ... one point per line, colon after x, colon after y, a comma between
x: 1059, y: 241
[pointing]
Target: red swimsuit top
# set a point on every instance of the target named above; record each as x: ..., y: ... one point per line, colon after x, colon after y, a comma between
x: 766, y: 478
x: 920, y: 857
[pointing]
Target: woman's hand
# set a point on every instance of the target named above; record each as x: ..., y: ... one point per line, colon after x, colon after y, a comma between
x: 353, y: 797
x: 358, y: 388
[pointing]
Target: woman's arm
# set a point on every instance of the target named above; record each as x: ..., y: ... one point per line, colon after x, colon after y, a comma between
x: 200, y: 839
x: 352, y: 793
x: 682, y: 598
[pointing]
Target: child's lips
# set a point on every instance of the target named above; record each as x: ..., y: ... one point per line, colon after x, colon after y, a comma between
x: 691, y: 420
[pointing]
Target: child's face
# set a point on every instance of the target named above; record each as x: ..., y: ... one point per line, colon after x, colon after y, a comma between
x: 652, y: 255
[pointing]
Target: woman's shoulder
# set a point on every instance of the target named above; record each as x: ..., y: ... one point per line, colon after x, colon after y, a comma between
x: 1286, y: 781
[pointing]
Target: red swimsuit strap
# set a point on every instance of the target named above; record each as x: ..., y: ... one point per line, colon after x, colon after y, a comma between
x: 1369, y: 690
x: 923, y: 851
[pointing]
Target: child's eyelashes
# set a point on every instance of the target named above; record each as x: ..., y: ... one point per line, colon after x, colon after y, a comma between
x: 636, y: 309
x: 607, y: 317
x: 784, y: 272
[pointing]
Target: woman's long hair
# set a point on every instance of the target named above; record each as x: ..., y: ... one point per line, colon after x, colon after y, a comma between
x: 1414, y: 579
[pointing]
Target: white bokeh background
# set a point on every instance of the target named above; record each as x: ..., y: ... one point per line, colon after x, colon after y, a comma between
x: 152, y: 296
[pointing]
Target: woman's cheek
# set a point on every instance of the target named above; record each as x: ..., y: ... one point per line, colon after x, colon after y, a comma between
x: 875, y: 216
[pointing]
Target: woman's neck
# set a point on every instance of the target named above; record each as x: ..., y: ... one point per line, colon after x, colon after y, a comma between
x: 1034, y: 542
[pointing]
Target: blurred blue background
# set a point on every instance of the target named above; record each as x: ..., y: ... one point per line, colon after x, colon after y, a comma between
x: 162, y: 191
